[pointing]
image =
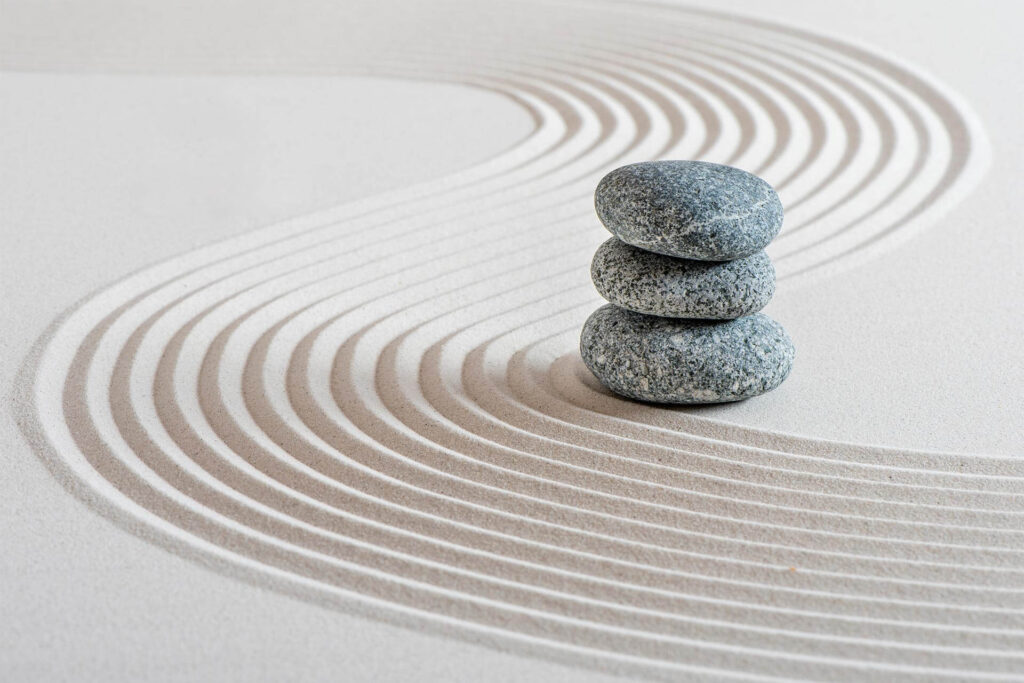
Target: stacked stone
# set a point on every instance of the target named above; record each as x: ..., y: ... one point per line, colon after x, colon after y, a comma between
x: 686, y: 275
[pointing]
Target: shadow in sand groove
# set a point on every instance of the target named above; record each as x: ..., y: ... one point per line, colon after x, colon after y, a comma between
x: 380, y: 407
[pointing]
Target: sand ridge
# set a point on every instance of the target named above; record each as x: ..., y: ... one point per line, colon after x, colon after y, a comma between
x: 381, y: 404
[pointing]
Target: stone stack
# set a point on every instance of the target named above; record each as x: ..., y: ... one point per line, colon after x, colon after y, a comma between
x: 686, y: 275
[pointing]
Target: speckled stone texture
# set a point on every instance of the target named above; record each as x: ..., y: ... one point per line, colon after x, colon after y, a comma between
x: 667, y: 360
x: 656, y: 284
x: 689, y: 209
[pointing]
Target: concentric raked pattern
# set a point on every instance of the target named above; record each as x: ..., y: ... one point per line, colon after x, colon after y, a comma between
x: 382, y: 408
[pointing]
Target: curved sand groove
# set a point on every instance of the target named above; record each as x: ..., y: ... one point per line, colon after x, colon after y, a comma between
x: 380, y: 407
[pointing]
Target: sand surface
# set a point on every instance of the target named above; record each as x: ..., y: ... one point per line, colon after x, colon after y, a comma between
x: 319, y: 275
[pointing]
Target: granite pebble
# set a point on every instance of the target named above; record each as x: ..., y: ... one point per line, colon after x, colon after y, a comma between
x: 667, y: 360
x: 690, y: 209
x: 656, y: 284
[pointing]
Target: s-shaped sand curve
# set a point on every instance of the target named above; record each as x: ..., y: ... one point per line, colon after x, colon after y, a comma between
x: 380, y: 407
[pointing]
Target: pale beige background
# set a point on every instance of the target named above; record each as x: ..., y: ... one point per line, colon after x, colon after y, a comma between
x: 103, y: 174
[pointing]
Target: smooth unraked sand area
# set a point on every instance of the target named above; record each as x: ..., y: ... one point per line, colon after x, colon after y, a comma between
x: 380, y: 407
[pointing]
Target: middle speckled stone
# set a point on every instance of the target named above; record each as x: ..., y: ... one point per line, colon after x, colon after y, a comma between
x: 655, y: 284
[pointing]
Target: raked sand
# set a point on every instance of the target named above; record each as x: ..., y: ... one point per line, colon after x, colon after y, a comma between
x: 379, y: 408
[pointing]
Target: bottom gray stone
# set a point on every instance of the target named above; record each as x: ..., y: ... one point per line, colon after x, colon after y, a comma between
x: 669, y: 360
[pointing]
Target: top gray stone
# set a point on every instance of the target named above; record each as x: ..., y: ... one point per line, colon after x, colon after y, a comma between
x: 689, y: 209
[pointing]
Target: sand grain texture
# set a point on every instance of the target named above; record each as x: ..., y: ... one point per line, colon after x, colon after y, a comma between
x: 380, y: 407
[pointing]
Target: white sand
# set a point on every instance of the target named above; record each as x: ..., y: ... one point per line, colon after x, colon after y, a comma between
x: 506, y: 493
